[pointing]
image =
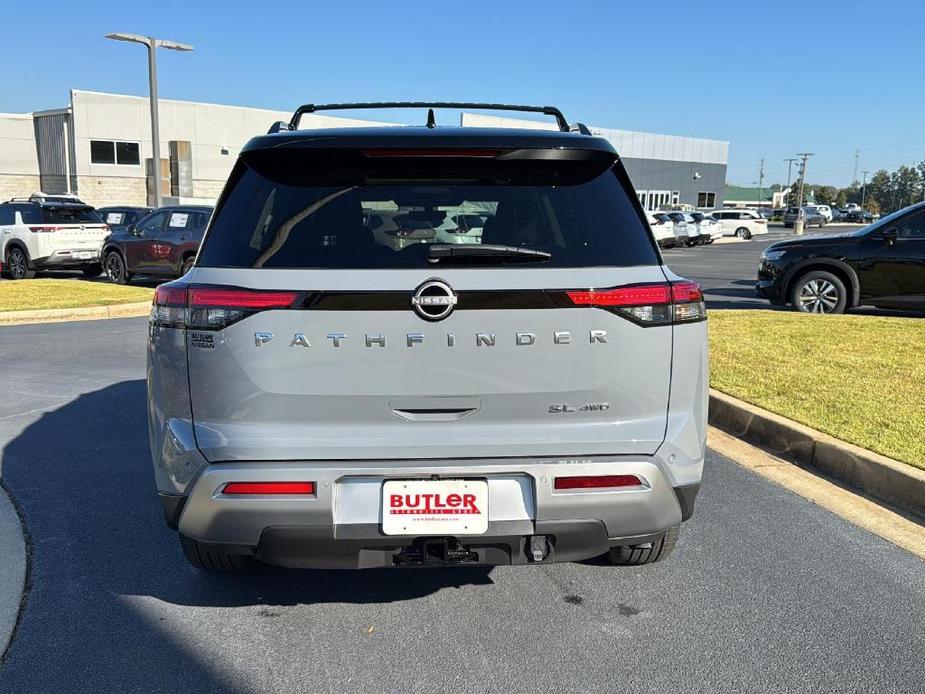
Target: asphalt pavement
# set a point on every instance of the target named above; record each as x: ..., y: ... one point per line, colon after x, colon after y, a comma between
x: 766, y: 592
x: 727, y: 271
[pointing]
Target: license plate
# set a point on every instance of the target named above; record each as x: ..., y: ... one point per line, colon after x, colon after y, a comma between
x: 84, y: 255
x: 435, y: 507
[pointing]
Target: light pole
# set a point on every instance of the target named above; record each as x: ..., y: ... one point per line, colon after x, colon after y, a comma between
x: 153, y: 44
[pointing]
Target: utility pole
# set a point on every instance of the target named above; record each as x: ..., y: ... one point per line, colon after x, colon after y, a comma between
x: 760, y: 183
x: 857, y: 154
x: 789, y: 169
x: 864, y: 188
x: 804, y: 156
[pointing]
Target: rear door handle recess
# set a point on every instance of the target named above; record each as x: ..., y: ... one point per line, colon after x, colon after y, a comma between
x: 434, y: 409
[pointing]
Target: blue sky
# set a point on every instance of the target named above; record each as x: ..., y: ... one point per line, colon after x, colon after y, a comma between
x: 772, y: 78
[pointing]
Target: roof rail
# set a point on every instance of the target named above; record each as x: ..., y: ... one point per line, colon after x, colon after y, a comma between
x: 313, y: 108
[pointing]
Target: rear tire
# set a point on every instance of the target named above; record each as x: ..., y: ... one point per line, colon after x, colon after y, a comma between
x: 647, y: 553
x: 743, y: 233
x: 17, y: 264
x: 205, y: 558
x: 115, y: 268
x: 93, y: 270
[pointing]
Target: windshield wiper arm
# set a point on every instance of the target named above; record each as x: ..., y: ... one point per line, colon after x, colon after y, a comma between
x: 437, y: 252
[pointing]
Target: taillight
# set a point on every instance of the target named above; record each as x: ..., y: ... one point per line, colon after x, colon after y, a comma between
x: 761, y: 221
x: 597, y: 482
x: 304, y: 488
x: 648, y: 304
x: 169, y: 306
x: 45, y: 228
x: 212, y: 308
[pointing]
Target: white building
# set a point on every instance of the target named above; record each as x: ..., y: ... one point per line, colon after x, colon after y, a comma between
x: 108, y: 152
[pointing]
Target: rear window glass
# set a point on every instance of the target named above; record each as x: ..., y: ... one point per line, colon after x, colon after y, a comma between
x: 290, y: 217
x: 70, y: 215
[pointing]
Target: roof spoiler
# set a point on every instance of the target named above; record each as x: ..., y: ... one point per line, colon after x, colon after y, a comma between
x: 561, y: 122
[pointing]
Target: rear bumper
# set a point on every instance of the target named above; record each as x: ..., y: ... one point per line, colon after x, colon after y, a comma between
x: 340, y: 526
x: 68, y: 258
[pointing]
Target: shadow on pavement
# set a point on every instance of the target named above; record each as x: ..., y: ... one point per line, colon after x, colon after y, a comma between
x: 83, y: 480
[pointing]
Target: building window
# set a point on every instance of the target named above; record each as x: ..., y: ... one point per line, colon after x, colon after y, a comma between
x: 706, y: 200
x: 111, y: 152
x: 675, y: 197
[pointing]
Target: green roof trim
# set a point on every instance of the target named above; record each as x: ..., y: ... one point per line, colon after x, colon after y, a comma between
x: 747, y: 193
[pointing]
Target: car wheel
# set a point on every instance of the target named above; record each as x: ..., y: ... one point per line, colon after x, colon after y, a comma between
x: 819, y: 292
x: 187, y: 266
x: 646, y: 553
x: 743, y: 233
x: 205, y: 558
x: 116, y: 270
x: 17, y: 263
x: 93, y: 270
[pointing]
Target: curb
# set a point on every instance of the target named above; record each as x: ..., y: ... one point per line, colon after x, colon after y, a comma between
x: 12, y: 569
x: 882, y: 477
x: 139, y: 308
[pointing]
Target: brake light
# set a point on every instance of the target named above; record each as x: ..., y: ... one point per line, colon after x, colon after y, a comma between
x: 648, y: 304
x: 302, y: 488
x: 430, y: 153
x: 212, y: 308
x: 597, y: 482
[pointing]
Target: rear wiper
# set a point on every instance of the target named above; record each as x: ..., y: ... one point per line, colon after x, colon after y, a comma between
x: 437, y: 252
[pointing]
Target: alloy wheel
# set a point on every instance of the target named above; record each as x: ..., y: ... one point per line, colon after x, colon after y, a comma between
x: 114, y: 267
x: 818, y: 296
x: 18, y: 265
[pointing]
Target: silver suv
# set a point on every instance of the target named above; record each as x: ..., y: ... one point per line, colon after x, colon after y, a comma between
x: 321, y: 395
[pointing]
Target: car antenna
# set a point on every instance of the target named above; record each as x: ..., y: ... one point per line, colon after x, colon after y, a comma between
x: 431, y: 120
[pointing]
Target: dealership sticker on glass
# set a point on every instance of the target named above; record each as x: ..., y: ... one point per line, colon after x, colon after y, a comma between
x: 435, y: 507
x: 115, y: 217
x: 178, y: 219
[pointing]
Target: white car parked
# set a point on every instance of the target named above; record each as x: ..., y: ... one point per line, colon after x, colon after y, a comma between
x: 741, y: 223
x: 826, y: 212
x: 708, y: 226
x: 662, y: 229
x: 50, y: 232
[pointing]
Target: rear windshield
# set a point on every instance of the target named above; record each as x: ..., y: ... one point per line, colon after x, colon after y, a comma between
x: 288, y: 214
x: 70, y: 215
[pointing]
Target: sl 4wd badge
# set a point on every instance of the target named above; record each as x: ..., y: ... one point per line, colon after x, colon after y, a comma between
x: 202, y: 340
x: 561, y: 408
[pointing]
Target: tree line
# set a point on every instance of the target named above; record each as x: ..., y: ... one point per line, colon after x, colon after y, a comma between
x: 885, y: 192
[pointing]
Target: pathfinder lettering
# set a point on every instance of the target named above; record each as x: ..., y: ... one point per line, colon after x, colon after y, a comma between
x: 373, y: 340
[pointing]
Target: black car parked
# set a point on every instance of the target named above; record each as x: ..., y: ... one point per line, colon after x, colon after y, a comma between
x: 881, y: 265
x: 162, y: 244
x: 120, y: 216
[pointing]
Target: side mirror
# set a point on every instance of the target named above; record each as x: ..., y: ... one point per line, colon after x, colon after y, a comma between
x: 133, y: 230
x: 890, y: 235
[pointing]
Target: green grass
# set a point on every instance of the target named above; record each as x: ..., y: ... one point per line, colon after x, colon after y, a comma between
x: 25, y: 295
x: 858, y: 378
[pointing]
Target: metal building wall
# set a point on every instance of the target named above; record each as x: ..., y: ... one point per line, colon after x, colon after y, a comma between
x: 49, y: 143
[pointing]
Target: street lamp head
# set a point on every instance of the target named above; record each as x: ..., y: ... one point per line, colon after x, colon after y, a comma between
x: 151, y: 42
x: 174, y: 46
